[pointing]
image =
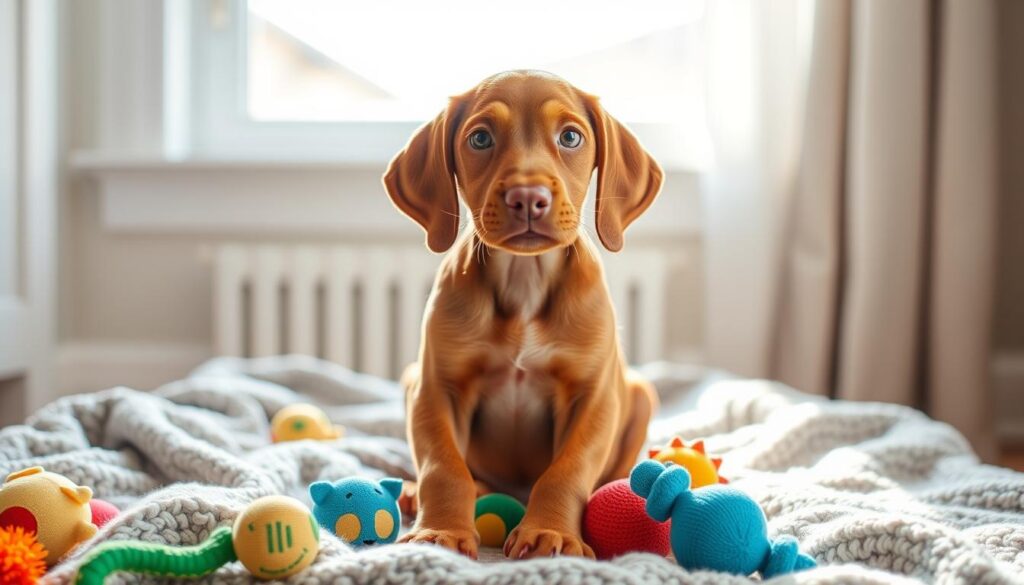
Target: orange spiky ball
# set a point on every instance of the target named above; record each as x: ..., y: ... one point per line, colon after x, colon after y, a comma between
x: 703, y: 469
x: 22, y: 559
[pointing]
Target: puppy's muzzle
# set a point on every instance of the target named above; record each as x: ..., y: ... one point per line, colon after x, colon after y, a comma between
x: 528, y: 203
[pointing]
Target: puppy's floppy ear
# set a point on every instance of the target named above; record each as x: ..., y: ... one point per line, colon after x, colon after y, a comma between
x: 628, y: 178
x: 421, y: 179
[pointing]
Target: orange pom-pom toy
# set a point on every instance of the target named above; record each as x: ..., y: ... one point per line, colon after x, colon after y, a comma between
x: 22, y: 559
x: 616, y: 522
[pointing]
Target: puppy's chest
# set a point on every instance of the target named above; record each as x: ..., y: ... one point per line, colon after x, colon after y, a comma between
x: 516, y: 389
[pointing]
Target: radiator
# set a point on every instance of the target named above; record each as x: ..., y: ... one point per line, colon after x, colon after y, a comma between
x: 362, y: 306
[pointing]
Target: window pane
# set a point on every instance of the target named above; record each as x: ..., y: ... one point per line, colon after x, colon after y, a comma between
x: 318, y: 60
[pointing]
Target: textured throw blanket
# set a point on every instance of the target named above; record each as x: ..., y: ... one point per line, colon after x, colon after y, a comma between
x: 876, y: 493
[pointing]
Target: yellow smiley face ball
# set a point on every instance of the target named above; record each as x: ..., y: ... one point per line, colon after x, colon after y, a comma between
x: 275, y: 537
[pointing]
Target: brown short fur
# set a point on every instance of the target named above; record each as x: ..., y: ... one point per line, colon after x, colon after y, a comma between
x: 521, y: 384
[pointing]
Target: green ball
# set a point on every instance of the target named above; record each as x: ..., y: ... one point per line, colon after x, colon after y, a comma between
x: 496, y: 515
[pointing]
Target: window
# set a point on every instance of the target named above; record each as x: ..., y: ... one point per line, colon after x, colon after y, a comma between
x: 350, y: 81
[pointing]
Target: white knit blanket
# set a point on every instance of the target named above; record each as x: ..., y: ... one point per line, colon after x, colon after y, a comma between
x: 876, y: 493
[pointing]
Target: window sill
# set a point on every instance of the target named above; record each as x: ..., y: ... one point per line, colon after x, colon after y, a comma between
x: 105, y: 162
x: 309, y: 197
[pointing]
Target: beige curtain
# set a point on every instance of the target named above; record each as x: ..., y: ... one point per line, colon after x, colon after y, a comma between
x: 887, y: 243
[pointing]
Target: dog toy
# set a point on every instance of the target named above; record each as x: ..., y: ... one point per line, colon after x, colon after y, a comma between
x: 274, y: 537
x: 703, y: 469
x: 102, y: 511
x: 156, y: 559
x: 495, y: 517
x: 302, y: 421
x: 715, y: 527
x: 615, y: 523
x: 22, y: 558
x: 360, y: 511
x: 49, y: 505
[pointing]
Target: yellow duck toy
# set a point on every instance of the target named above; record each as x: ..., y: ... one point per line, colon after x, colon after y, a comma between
x: 51, y: 506
x: 303, y: 421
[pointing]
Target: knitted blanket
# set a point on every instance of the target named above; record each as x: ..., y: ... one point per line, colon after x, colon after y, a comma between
x: 876, y: 493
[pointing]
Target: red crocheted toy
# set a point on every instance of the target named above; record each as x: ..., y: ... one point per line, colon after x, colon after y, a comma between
x: 615, y: 523
x: 22, y: 559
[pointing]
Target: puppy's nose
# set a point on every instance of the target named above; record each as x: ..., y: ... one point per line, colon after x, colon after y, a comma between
x: 531, y: 201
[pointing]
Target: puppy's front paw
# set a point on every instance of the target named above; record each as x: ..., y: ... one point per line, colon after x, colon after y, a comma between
x: 459, y: 540
x: 527, y: 542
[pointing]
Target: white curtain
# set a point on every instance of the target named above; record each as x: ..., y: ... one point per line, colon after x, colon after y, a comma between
x: 851, y: 211
x: 757, y: 64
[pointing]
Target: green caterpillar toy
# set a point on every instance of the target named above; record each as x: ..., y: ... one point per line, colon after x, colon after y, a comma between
x: 274, y: 537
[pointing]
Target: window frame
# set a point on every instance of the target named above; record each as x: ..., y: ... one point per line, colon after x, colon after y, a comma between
x: 218, y: 125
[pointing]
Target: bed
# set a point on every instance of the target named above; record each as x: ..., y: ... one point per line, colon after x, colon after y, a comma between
x: 877, y: 493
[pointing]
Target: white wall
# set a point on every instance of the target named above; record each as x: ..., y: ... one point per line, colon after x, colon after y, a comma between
x: 151, y: 292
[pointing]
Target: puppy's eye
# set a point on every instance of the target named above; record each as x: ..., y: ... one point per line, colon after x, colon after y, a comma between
x: 481, y: 140
x: 570, y: 138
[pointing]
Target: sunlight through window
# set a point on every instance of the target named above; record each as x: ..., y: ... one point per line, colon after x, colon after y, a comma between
x: 320, y: 60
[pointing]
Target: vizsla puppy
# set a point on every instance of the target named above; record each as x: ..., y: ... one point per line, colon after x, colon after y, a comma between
x: 521, y: 385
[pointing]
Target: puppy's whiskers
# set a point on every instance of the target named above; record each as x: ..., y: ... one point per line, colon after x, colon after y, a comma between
x: 446, y: 212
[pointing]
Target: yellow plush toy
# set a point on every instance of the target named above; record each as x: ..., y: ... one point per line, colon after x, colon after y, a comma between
x: 302, y: 421
x: 49, y: 505
x: 703, y: 469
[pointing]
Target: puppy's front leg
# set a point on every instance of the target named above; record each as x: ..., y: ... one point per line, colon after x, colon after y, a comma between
x: 584, y: 437
x: 445, y: 488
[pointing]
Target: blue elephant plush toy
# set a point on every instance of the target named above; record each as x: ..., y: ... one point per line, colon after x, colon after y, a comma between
x: 360, y: 511
x: 714, y: 527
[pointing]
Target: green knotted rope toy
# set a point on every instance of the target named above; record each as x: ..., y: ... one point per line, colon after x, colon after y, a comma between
x: 274, y: 537
x: 157, y: 559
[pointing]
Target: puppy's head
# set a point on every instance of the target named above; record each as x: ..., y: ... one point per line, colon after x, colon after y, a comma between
x: 521, y: 148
